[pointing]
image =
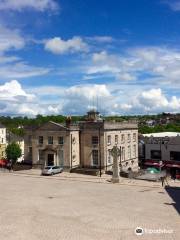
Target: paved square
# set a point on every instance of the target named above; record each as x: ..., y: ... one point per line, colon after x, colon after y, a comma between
x: 50, y: 208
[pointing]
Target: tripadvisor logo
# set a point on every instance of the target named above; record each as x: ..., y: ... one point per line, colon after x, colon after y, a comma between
x: 139, y: 231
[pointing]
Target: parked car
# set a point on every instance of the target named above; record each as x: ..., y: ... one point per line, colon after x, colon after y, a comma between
x: 51, y: 170
x: 3, y: 163
x: 152, y: 170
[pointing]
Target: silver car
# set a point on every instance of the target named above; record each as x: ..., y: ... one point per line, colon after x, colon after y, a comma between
x: 51, y: 170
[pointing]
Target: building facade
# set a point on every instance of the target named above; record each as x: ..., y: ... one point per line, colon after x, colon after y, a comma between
x: 162, y: 150
x: 2, y: 141
x: 85, y: 145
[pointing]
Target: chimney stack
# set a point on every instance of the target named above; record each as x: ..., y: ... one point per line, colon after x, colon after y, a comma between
x: 68, y: 121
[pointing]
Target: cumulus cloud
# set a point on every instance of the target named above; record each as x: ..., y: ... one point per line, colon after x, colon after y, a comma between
x: 38, y: 5
x: 78, y: 99
x: 154, y: 101
x: 81, y: 98
x: 12, y: 90
x: 10, y: 39
x: 14, y: 100
x: 158, y: 65
x: 59, y: 46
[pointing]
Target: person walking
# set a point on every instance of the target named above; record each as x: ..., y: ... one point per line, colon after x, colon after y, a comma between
x: 165, y: 180
x: 162, y: 181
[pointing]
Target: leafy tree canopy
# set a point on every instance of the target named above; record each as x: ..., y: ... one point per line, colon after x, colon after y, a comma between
x: 13, y: 152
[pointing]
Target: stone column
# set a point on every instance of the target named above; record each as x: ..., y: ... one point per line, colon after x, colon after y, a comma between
x: 115, y: 152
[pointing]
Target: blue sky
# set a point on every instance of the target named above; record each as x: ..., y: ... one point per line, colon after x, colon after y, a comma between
x: 60, y: 56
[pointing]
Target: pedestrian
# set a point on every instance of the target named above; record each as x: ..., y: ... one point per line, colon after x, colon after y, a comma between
x: 162, y: 181
x: 165, y: 179
x: 9, y: 166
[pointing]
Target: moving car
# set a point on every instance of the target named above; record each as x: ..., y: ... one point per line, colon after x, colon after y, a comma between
x: 51, y: 170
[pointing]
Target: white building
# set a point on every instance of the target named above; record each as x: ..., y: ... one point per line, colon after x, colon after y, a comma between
x: 2, y: 141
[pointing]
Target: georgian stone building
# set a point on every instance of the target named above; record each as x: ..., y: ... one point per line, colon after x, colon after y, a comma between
x: 86, y: 144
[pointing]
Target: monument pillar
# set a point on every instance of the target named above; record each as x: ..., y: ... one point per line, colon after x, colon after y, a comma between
x: 115, y: 152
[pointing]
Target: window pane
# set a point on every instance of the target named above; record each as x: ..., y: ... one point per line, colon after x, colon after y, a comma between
x: 156, y: 154
x: 134, y: 137
x: 122, y: 138
x: 95, y: 140
x: 95, y: 157
x: 40, y: 139
x: 50, y: 140
x: 60, y: 140
x: 116, y: 139
x: 109, y: 139
x: 175, y: 156
x: 41, y: 156
x: 129, y: 152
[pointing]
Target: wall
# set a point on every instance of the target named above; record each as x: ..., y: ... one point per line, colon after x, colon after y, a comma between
x: 165, y: 150
x: 87, y: 146
x: 126, y: 162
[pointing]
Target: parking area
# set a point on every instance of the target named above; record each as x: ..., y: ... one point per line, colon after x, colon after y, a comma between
x: 34, y: 208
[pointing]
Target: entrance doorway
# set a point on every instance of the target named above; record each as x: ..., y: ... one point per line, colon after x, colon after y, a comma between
x: 50, y: 160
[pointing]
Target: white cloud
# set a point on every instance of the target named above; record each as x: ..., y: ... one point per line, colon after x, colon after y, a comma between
x: 173, y: 4
x: 14, y: 100
x: 78, y: 99
x: 10, y: 39
x: 153, y: 98
x: 101, y: 39
x: 59, y: 46
x: 13, y: 66
x: 154, y: 101
x: 38, y: 5
x: 8, y: 59
x: 88, y: 91
x: 126, y: 76
x: 21, y: 70
x: 12, y: 91
x: 158, y: 65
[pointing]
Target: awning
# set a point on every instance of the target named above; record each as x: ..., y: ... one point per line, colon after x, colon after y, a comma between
x: 173, y: 165
x: 153, y: 164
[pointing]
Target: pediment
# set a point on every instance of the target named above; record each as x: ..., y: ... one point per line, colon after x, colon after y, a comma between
x: 51, y: 126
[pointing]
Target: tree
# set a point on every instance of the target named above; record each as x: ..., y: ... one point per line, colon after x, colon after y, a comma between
x: 13, y: 152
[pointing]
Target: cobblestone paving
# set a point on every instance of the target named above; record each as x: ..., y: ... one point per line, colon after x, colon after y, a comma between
x: 43, y: 208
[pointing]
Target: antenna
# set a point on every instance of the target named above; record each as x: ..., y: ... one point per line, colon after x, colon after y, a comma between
x: 97, y: 103
x: 93, y: 102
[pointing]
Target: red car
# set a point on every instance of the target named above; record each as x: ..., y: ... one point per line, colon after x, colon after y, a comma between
x: 178, y: 174
x: 3, y: 162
